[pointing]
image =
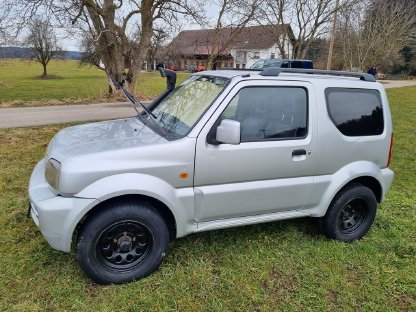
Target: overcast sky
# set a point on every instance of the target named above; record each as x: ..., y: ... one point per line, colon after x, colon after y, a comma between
x: 72, y: 44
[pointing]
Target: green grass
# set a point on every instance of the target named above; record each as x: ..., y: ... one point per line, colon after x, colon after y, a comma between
x: 286, y: 266
x: 20, y: 83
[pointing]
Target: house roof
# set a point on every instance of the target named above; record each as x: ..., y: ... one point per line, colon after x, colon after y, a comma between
x: 199, y: 42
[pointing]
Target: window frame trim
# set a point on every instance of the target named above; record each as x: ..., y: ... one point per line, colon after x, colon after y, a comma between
x: 274, y: 139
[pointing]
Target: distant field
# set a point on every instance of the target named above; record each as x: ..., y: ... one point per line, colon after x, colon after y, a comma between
x: 20, y: 84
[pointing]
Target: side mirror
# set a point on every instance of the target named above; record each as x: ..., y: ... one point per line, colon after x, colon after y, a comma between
x: 229, y: 132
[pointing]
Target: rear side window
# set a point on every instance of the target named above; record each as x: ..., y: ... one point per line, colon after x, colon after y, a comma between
x: 355, y: 112
x: 302, y: 64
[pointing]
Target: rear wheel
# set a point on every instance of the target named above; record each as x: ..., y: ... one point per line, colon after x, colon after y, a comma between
x: 351, y: 213
x: 125, y: 241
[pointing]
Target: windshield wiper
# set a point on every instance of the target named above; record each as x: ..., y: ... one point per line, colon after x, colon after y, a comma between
x: 135, y: 101
x: 131, y: 98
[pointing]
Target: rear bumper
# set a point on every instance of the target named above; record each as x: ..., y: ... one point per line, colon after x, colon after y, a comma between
x: 387, y: 176
x: 54, y: 215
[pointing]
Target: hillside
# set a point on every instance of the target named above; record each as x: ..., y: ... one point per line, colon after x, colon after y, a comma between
x: 18, y: 52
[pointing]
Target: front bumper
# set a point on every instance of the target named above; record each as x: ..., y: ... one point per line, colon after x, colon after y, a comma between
x: 55, y: 216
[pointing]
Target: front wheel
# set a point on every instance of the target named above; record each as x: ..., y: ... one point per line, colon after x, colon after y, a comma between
x: 351, y: 213
x: 125, y: 241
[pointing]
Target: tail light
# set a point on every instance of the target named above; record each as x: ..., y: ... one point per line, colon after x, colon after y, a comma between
x: 390, y: 150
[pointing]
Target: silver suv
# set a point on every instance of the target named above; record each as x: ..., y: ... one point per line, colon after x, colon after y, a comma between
x: 223, y: 149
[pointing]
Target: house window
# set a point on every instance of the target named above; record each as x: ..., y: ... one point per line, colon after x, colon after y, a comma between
x: 242, y: 55
x: 237, y: 66
x: 256, y: 55
x: 272, y: 56
x: 244, y: 66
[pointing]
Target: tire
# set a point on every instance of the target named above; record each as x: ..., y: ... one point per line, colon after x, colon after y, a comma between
x: 351, y: 213
x: 123, y: 242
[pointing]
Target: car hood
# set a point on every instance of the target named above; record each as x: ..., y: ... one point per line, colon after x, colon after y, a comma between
x: 101, y: 137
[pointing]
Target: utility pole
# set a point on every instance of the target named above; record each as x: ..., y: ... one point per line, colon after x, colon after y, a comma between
x: 331, y: 45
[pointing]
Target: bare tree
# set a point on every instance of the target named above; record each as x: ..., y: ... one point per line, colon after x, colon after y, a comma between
x: 373, y: 33
x: 89, y: 54
x: 275, y: 13
x: 308, y: 19
x: 5, y: 11
x: 121, y: 31
x: 43, y: 43
x: 159, y: 37
x: 233, y: 16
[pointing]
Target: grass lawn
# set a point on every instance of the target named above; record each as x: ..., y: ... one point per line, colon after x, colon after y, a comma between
x: 20, y: 84
x: 285, y: 266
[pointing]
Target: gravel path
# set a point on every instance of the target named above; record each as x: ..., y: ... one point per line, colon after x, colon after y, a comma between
x: 45, y: 115
x: 389, y: 84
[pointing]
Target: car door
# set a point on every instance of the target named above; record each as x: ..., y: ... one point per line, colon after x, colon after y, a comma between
x: 272, y: 169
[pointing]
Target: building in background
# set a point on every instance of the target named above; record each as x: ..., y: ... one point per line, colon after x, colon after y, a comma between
x: 194, y: 47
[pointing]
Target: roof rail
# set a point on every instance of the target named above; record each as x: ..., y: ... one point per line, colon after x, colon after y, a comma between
x: 275, y: 71
x: 239, y: 69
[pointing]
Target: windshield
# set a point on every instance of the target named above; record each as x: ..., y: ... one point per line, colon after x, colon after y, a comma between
x: 179, y: 112
x: 258, y: 65
x: 275, y: 63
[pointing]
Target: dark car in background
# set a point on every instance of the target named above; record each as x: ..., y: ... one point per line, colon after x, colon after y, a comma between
x: 282, y: 63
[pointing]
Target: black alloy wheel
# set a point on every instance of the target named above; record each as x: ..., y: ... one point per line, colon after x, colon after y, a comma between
x: 124, y: 246
x: 351, y: 213
x: 123, y: 241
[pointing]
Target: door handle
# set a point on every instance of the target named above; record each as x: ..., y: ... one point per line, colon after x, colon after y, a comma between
x: 299, y: 152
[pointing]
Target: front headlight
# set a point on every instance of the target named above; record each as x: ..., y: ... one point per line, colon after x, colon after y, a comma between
x: 52, y: 172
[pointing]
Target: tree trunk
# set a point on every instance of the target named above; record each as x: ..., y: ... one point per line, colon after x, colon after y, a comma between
x: 144, y: 43
x: 110, y: 86
x: 44, y: 71
x: 210, y: 63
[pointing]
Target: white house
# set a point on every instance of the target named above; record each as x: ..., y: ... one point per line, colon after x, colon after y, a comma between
x: 193, y: 47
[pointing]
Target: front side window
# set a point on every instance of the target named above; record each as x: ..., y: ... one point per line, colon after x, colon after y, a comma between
x: 269, y: 113
x: 179, y: 112
x: 355, y: 112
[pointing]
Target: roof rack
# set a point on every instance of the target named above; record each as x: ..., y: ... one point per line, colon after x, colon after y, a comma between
x: 239, y: 69
x: 275, y: 71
